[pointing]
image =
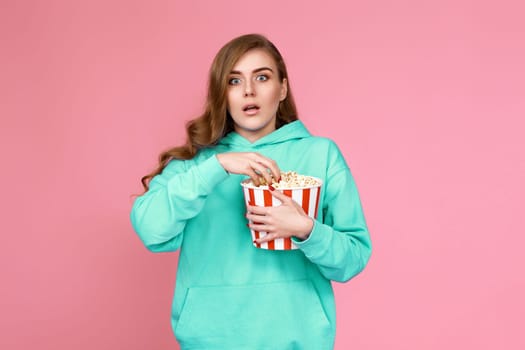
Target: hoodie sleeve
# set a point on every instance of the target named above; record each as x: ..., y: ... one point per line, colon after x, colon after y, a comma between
x: 176, y: 195
x: 340, y: 245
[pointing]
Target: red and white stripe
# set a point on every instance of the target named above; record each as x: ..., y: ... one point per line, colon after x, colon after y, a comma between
x: 308, y: 198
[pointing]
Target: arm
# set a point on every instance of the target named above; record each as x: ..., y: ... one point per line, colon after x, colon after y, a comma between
x: 340, y: 246
x: 178, y: 194
x: 175, y: 196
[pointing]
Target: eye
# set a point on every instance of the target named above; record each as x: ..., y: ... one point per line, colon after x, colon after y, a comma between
x: 262, y: 77
x: 234, y: 81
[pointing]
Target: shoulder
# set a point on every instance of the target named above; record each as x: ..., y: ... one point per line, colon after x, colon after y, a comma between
x: 326, y: 148
x: 318, y: 141
x: 329, y: 145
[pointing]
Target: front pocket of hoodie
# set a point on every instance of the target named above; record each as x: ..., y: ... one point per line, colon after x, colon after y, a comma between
x: 284, y: 315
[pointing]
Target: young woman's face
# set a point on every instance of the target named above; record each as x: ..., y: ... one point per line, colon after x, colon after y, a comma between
x: 254, y: 93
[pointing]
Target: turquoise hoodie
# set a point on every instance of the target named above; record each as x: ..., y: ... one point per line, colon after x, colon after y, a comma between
x: 230, y: 294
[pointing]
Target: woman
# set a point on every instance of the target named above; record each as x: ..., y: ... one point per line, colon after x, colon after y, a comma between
x: 230, y: 294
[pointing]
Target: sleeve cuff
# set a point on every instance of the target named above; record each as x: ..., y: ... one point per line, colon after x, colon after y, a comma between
x: 211, y: 173
x: 317, y: 241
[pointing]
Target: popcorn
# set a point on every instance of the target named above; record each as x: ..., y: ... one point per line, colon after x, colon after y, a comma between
x: 289, y: 179
x: 304, y: 190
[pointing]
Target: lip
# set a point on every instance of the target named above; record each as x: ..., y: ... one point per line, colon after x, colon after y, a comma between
x: 248, y: 105
x: 251, y: 109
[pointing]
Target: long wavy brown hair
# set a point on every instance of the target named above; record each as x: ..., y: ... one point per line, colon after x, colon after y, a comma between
x: 216, y: 122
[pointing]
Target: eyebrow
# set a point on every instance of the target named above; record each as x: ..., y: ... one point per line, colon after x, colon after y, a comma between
x: 254, y: 71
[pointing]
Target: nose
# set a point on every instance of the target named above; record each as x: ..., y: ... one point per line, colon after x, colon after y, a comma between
x: 249, y: 89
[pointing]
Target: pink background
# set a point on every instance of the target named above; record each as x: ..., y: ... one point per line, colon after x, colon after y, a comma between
x: 425, y: 98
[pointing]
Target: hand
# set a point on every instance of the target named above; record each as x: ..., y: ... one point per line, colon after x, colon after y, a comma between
x: 252, y: 164
x: 286, y: 220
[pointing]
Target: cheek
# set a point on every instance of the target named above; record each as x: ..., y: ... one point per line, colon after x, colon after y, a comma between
x: 232, y: 98
x: 229, y: 100
x: 273, y: 95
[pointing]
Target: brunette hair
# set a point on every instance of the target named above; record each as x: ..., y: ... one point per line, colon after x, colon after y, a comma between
x: 215, y: 122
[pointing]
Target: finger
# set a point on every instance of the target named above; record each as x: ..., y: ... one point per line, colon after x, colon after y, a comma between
x: 252, y: 173
x: 257, y: 210
x: 273, y: 169
x: 260, y: 227
x: 262, y: 170
x: 270, y: 166
x: 280, y: 196
x: 267, y: 238
x: 257, y: 219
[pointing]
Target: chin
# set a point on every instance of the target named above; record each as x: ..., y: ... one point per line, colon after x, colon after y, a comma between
x: 252, y: 125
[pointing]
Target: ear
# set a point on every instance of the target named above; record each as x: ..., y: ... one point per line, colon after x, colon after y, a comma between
x: 284, y: 89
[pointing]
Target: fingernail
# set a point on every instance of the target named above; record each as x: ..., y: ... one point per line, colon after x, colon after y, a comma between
x: 247, y: 225
x: 254, y: 241
x: 271, y: 188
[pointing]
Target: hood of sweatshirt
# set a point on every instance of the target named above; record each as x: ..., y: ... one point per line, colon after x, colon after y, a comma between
x: 291, y: 131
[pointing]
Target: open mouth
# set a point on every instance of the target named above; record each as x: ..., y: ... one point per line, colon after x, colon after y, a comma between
x: 250, y: 108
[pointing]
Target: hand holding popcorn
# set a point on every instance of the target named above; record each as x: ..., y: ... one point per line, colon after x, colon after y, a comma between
x: 283, y: 221
x: 283, y: 209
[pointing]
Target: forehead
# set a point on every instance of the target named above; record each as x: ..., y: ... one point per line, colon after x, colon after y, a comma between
x: 253, y: 59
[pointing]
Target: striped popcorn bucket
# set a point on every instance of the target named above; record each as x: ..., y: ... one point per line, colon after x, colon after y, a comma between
x: 307, y: 197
